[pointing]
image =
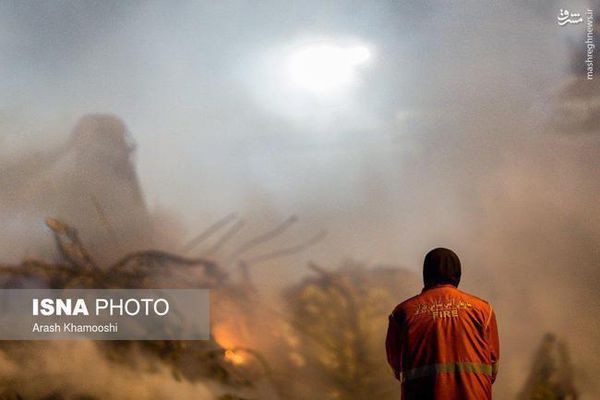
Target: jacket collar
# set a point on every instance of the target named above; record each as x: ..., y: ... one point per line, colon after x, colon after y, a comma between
x: 439, y: 286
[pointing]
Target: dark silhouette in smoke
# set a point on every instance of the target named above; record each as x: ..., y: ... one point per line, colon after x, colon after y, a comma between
x: 89, y: 182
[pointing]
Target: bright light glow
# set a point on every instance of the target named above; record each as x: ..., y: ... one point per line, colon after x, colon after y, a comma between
x: 325, y: 68
x: 234, y: 356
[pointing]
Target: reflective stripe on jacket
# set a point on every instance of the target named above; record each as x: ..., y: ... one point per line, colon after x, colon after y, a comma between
x: 443, y: 344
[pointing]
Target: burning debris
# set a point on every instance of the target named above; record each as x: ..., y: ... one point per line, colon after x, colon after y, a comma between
x: 78, y: 269
x: 91, y: 183
x: 330, y: 333
x: 192, y: 361
x: 226, y: 360
x: 337, y: 328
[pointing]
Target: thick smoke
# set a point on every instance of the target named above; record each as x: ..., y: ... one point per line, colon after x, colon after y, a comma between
x: 457, y: 137
x: 63, y: 368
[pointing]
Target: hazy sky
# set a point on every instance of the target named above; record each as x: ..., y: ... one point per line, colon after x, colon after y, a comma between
x: 197, y: 84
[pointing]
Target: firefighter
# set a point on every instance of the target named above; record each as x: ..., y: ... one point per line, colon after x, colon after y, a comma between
x: 443, y: 343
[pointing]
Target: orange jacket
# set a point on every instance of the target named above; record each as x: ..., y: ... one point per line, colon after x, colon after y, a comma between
x: 443, y: 344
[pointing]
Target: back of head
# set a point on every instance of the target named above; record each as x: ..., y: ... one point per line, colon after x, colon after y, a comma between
x: 441, y: 266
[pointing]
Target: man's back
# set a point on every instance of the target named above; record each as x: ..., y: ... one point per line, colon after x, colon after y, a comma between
x: 443, y: 344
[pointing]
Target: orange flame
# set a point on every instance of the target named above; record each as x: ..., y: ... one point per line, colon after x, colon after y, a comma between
x: 234, y: 357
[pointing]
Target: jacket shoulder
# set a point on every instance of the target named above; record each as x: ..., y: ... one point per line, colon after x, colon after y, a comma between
x: 482, y: 303
x: 402, y: 306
